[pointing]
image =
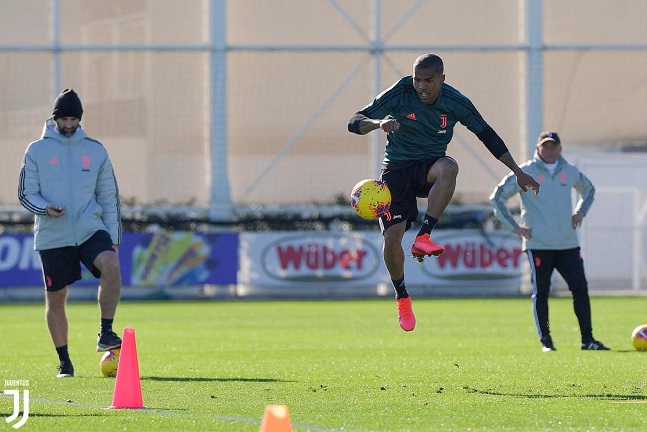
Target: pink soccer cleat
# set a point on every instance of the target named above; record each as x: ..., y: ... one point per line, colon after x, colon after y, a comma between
x: 423, y: 246
x: 405, y: 314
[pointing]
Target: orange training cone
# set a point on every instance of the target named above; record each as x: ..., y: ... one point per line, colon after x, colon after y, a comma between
x: 128, y: 388
x: 276, y: 419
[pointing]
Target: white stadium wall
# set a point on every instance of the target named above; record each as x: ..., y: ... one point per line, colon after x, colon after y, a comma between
x: 143, y: 72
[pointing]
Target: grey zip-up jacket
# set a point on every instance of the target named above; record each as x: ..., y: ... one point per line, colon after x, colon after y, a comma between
x: 548, y: 214
x: 74, y: 173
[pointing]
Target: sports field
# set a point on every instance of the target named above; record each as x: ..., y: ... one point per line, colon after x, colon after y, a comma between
x: 471, y: 364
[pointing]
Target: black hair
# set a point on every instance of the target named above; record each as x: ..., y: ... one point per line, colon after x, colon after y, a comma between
x: 429, y: 61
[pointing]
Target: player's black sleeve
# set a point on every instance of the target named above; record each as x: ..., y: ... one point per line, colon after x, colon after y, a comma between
x: 493, y: 142
x: 353, y: 123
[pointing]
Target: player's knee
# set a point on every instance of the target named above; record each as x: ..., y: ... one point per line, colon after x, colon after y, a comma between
x: 111, y: 272
x: 449, y: 169
x: 444, y: 171
x: 392, y: 241
x: 109, y: 266
x: 55, y: 301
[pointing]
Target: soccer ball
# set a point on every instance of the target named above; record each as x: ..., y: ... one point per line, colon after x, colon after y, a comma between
x: 639, y: 337
x: 109, y: 363
x: 370, y: 198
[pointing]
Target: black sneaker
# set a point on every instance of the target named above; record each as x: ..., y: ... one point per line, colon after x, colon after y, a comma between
x: 108, y: 341
x: 547, y: 344
x: 65, y: 370
x: 594, y: 345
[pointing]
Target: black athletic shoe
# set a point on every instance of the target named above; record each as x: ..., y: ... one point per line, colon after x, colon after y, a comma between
x: 594, y: 345
x: 108, y: 341
x: 65, y: 370
x: 547, y: 345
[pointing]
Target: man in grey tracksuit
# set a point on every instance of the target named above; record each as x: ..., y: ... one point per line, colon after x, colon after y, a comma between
x: 548, y: 232
x: 67, y: 181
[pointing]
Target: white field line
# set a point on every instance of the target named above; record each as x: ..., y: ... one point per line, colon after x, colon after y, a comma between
x: 177, y: 414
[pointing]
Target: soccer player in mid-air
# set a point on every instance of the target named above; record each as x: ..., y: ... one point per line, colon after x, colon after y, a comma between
x: 419, y: 113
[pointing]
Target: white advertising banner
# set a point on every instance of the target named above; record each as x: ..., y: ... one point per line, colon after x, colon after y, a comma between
x: 472, y: 258
x: 311, y: 258
x: 302, y: 259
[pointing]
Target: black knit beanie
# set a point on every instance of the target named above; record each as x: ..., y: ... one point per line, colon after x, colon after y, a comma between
x: 67, y: 104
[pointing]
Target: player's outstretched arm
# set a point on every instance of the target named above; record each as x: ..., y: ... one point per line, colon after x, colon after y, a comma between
x: 525, y: 181
x: 499, y: 150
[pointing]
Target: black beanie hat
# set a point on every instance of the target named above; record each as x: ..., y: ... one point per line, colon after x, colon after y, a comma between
x: 67, y: 104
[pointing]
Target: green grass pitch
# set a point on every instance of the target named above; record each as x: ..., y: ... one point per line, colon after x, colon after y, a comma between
x: 471, y: 364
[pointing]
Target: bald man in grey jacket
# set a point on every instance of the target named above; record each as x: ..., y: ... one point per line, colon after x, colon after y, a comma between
x: 548, y: 232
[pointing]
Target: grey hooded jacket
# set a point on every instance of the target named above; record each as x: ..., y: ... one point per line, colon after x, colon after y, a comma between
x: 74, y: 173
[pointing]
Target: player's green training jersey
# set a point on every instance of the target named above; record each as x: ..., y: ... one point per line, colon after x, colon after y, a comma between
x: 425, y: 130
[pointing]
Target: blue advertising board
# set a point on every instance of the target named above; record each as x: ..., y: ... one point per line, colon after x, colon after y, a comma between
x: 163, y: 258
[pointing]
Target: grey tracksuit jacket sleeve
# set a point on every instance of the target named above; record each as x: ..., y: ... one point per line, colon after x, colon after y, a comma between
x: 547, y: 214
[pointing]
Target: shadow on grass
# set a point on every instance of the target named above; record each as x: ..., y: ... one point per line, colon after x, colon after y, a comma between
x: 197, y: 379
x: 605, y: 396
